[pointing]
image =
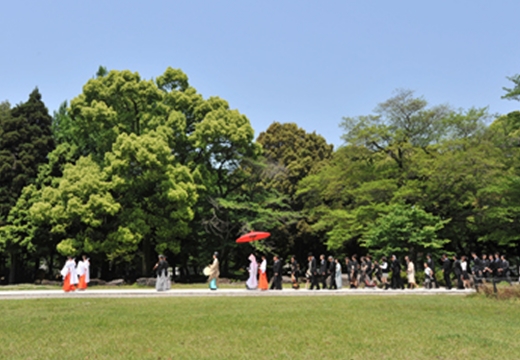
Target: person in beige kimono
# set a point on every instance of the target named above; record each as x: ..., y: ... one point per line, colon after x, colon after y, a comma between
x: 214, y: 272
x: 410, y: 273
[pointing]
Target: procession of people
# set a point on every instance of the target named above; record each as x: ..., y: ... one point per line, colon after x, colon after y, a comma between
x: 332, y: 273
x: 328, y: 272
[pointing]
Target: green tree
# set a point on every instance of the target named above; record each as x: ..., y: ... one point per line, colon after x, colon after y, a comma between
x: 290, y: 155
x: 513, y: 93
x: 25, y: 142
x: 405, y: 230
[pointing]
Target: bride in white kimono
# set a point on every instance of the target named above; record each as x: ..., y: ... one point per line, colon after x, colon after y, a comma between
x: 252, y: 282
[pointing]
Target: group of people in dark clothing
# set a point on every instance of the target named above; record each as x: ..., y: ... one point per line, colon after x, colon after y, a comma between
x: 473, y: 271
x: 327, y: 272
x: 364, y: 271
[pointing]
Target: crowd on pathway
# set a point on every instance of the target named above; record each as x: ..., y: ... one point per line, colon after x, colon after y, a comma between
x: 327, y: 272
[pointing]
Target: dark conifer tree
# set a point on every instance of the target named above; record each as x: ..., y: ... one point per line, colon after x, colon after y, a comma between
x: 25, y: 141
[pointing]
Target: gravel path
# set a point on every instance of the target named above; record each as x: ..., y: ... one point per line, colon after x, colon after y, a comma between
x: 131, y: 293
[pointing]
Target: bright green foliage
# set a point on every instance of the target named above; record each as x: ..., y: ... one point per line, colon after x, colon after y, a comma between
x: 405, y: 230
x: 406, y: 155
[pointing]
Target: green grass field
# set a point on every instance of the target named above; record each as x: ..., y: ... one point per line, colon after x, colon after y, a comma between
x: 346, y: 327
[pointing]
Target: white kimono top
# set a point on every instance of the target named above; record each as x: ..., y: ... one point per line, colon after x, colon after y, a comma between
x: 84, y: 269
x: 70, y: 268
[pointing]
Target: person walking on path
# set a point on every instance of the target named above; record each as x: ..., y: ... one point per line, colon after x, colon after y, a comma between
x: 252, y: 282
x: 214, y: 272
x: 70, y: 277
x: 385, y: 271
x: 295, y: 272
x: 323, y: 271
x: 446, y: 268
x: 83, y: 271
x: 312, y: 273
x: 277, y: 274
x: 397, y: 282
x: 263, y: 284
x: 161, y: 268
x: 332, y: 274
x: 410, y: 273
x: 464, y: 272
x: 428, y: 276
x: 431, y: 265
x: 457, y: 271
x: 339, y: 280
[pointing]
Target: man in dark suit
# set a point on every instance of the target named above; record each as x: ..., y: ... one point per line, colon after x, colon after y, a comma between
x: 446, y: 269
x: 332, y: 273
x: 477, y: 268
x: 431, y: 265
x: 506, y: 272
x: 312, y: 272
x: 485, y: 267
x: 397, y: 283
x: 277, y: 274
x: 457, y: 270
x: 323, y: 271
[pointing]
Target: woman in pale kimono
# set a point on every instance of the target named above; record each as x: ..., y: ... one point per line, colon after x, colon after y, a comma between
x: 252, y: 282
x: 70, y: 277
x: 263, y: 284
x: 213, y: 272
x: 410, y: 273
x: 83, y: 271
x: 338, y: 274
x: 162, y: 283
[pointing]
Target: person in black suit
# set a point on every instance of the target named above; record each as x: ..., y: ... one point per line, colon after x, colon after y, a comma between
x: 323, y: 271
x: 277, y: 274
x: 506, y: 272
x: 312, y: 272
x: 458, y: 272
x: 446, y: 269
x: 354, y: 269
x: 431, y: 265
x: 295, y: 273
x: 332, y: 273
x: 485, y: 267
x: 397, y: 283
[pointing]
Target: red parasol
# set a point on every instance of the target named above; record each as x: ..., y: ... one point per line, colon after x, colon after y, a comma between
x: 253, y: 236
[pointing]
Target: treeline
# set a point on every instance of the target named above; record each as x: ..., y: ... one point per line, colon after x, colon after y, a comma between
x: 133, y: 167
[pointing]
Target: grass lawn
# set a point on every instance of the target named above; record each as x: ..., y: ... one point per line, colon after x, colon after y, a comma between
x: 346, y: 327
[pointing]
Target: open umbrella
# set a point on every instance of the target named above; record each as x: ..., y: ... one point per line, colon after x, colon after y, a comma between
x: 253, y: 236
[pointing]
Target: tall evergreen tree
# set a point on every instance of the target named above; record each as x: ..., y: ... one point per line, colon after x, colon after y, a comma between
x: 25, y: 142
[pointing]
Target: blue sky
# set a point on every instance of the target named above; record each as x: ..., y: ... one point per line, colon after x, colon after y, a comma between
x: 306, y: 62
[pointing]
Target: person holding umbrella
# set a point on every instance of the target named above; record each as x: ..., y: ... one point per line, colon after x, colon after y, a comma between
x: 213, y: 272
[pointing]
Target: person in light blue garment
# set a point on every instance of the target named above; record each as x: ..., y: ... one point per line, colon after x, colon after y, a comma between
x: 213, y: 272
x: 338, y: 274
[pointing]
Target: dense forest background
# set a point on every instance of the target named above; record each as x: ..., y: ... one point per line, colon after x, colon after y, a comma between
x: 132, y: 167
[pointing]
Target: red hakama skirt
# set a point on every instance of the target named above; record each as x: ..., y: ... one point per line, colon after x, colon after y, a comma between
x: 82, y: 285
x: 67, y: 286
x: 263, y: 284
